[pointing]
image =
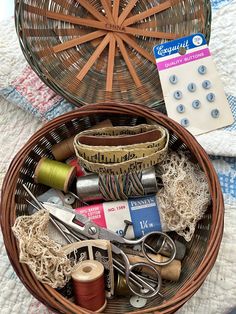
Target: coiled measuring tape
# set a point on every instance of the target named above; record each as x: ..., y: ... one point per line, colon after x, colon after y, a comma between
x: 122, y: 149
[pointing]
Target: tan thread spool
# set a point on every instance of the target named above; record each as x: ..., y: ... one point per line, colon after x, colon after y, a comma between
x: 170, y: 271
x: 89, y: 286
x: 65, y: 149
x: 55, y: 174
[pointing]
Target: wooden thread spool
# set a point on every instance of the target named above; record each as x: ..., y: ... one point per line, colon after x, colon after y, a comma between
x: 89, y: 286
x: 55, y: 174
x: 170, y: 271
x: 64, y: 149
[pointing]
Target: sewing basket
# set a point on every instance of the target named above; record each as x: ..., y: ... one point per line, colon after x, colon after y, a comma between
x: 43, y: 29
x: 201, y: 251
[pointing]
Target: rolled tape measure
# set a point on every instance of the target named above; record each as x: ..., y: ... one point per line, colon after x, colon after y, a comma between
x: 119, y: 159
x: 65, y: 149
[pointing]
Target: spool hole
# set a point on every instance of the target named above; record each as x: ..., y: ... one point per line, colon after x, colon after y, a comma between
x: 87, y: 269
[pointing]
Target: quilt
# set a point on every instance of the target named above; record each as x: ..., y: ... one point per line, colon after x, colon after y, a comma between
x: 26, y: 104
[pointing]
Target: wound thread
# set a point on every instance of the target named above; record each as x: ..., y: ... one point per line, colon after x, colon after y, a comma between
x: 64, y: 149
x: 121, y: 187
x: 89, y: 285
x: 55, y: 174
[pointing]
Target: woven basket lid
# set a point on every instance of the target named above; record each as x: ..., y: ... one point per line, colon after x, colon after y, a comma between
x: 92, y: 51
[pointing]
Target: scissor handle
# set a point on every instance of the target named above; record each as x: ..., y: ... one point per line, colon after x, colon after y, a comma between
x: 148, y: 287
x: 147, y: 248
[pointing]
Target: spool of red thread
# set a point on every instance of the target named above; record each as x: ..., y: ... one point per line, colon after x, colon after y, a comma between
x: 88, y: 285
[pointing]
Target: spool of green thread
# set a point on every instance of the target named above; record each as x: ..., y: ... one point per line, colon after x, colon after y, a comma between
x: 55, y: 174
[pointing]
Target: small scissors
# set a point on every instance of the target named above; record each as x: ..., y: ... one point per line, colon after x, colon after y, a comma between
x: 83, y: 225
x: 87, y: 229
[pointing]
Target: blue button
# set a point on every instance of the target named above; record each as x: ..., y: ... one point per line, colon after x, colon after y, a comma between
x: 184, y: 122
x: 192, y: 87
x: 180, y: 108
x: 196, y: 104
x: 173, y: 79
x: 206, y: 84
x: 202, y: 69
x: 211, y: 97
x: 178, y: 94
x: 215, y: 113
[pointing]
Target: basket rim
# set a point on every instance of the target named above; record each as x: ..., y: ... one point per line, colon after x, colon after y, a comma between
x: 216, y: 228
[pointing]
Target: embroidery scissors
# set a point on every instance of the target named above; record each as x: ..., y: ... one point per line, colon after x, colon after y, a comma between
x: 82, y: 225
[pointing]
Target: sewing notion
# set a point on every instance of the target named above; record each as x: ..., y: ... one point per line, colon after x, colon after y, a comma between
x: 94, y: 187
x: 105, y: 220
x: 65, y: 149
x: 99, y: 250
x: 121, y: 150
x: 55, y: 174
x: 196, y: 100
x: 88, y: 284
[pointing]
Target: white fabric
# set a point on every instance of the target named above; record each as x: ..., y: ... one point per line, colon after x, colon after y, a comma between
x: 218, y: 293
x: 16, y: 126
x: 216, y: 296
x: 12, y: 60
x: 222, y: 46
x: 221, y: 143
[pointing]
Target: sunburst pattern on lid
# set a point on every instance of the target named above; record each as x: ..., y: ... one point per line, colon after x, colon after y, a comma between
x: 101, y: 50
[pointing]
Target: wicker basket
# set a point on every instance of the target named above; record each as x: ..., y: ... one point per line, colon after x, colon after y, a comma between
x: 84, y: 52
x: 201, y: 251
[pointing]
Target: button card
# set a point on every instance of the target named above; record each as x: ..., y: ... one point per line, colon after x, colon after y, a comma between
x: 192, y: 90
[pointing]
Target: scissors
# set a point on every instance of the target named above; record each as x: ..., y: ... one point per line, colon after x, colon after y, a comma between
x: 81, y: 225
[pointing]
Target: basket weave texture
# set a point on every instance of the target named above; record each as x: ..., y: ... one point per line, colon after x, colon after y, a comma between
x: 95, y: 51
x: 201, y: 251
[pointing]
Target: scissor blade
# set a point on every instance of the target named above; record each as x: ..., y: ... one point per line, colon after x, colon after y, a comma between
x: 72, y: 219
x: 65, y: 217
x: 83, y: 219
x: 111, y: 236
